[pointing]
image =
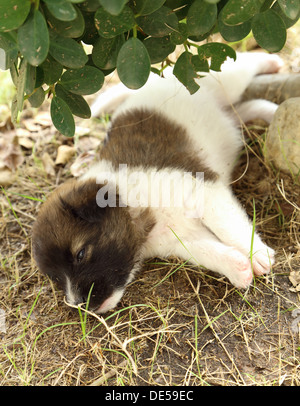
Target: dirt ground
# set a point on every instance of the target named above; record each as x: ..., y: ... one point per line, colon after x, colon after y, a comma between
x: 176, y: 324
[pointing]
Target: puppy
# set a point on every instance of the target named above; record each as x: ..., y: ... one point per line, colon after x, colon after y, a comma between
x: 161, y: 188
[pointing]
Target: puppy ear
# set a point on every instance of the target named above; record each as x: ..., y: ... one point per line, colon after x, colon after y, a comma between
x: 79, y: 199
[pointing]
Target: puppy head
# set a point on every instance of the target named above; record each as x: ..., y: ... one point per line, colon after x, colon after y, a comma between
x: 86, y: 248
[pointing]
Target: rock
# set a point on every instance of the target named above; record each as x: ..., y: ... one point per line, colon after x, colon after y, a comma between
x: 283, y: 138
x: 274, y: 87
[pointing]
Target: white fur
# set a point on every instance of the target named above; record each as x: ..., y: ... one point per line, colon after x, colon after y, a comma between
x: 220, y: 238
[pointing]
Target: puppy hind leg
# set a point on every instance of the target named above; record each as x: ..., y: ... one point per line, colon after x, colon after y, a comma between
x: 230, y: 84
x: 225, y: 217
x: 253, y: 109
x: 213, y: 255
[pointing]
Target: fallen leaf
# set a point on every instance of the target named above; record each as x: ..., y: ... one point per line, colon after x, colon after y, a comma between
x: 64, y: 154
x: 48, y: 164
x: 7, y: 177
x: 11, y: 156
x: 294, y: 278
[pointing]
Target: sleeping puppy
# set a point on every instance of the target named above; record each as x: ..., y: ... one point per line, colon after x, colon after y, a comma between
x: 160, y: 188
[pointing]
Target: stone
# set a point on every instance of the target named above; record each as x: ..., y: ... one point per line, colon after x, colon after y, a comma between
x: 273, y: 87
x: 283, y: 138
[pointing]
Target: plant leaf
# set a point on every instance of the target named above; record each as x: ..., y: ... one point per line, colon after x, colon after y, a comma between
x: 159, y: 48
x: 133, y: 63
x: 105, y: 51
x: 145, y: 7
x: 217, y: 52
x: 71, y: 29
x: 9, y: 46
x: 291, y: 8
x: 113, y: 7
x: 76, y: 103
x: 160, y: 23
x: 201, y: 17
x: 61, y: 9
x: 33, y: 38
x: 269, y: 30
x: 67, y: 52
x: 110, y: 26
x: 232, y: 33
x: 62, y: 117
x: 236, y: 11
x: 86, y: 80
x: 13, y: 13
x: 185, y: 72
x: 52, y: 70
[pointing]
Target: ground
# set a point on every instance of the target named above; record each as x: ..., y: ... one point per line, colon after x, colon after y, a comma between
x: 176, y: 324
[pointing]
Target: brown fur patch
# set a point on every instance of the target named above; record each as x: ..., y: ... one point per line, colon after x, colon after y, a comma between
x: 147, y: 138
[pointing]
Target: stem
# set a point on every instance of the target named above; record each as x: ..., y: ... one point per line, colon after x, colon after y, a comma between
x: 134, y: 30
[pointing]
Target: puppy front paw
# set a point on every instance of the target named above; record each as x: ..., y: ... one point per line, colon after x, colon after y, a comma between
x: 239, y: 269
x: 262, y: 260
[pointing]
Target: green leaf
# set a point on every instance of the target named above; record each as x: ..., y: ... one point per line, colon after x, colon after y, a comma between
x: 90, y: 33
x: 37, y: 98
x: 71, y: 29
x: 9, y: 46
x: 287, y: 21
x: 86, y: 80
x: 19, y: 79
x: 110, y: 26
x: 185, y: 73
x: 160, y: 23
x: 30, y: 79
x: 113, y: 7
x: 269, y: 30
x: 61, y: 9
x: 33, y: 38
x: 89, y: 5
x: 62, y: 117
x: 13, y: 13
x: 232, y: 33
x: 133, y: 64
x: 105, y: 51
x: 201, y: 17
x: 76, y: 103
x: 236, y: 11
x: 217, y: 52
x: 67, y: 52
x: 145, y: 7
x: 159, y: 48
x: 180, y: 35
x: 291, y: 8
x: 52, y: 70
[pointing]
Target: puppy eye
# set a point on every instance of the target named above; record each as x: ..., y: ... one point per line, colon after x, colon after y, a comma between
x: 80, y: 255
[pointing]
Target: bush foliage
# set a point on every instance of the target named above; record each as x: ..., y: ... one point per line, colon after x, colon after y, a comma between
x: 42, y: 43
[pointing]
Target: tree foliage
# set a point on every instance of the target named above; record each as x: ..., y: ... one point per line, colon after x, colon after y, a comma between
x: 43, y: 43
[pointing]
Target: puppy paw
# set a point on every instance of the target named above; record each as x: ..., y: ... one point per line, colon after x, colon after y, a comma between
x: 270, y: 63
x: 262, y: 260
x: 239, y: 269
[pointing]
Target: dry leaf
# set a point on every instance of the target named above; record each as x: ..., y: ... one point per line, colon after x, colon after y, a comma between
x: 7, y: 177
x: 64, y: 154
x: 25, y: 142
x: 48, y: 164
x: 44, y: 119
x: 294, y: 278
x: 11, y: 156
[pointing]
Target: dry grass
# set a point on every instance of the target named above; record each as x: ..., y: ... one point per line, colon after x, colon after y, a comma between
x: 176, y: 325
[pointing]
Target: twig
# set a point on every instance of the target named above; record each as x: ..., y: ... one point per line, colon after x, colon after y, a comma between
x: 109, y: 374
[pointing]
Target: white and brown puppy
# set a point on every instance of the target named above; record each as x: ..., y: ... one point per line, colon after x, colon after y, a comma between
x: 96, y: 231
